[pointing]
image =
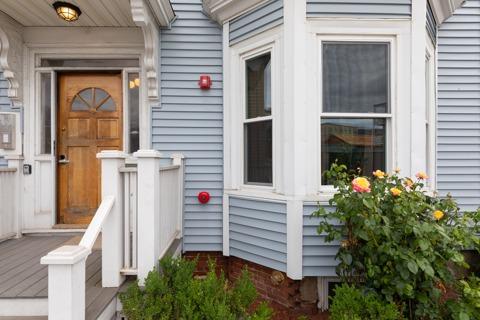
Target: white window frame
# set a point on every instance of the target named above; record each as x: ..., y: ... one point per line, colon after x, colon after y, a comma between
x: 235, y: 110
x: 245, y: 58
x: 390, y: 119
x: 431, y: 113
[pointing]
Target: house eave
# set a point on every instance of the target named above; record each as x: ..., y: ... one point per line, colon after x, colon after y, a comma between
x: 162, y: 11
x: 443, y: 9
x: 224, y: 10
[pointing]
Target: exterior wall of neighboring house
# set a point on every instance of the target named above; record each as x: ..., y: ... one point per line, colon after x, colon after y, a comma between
x: 458, y: 134
x: 5, y: 104
x: 367, y: 8
x: 190, y: 120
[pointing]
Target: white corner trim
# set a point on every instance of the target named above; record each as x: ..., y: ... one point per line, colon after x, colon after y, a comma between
x: 224, y: 10
x: 226, y: 224
x: 144, y: 18
x: 11, y: 53
x: 443, y: 9
x: 294, y: 239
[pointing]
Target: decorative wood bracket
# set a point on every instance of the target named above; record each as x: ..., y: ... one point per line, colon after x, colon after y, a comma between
x: 150, y: 15
x: 11, y: 54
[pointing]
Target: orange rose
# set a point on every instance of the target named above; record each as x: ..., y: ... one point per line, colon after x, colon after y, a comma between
x: 421, y: 175
x: 361, y: 184
x: 379, y: 174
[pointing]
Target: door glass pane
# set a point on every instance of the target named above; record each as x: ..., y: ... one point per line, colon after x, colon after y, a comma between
x: 133, y: 111
x: 258, y: 152
x: 357, y: 143
x: 355, y: 77
x: 46, y: 110
x: 258, y: 73
x: 101, y: 63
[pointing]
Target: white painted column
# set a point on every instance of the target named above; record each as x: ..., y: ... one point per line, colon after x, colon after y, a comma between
x: 17, y: 163
x: 112, y: 230
x: 66, y: 282
x: 296, y: 132
x: 148, y: 164
x: 178, y: 160
x: 418, y: 102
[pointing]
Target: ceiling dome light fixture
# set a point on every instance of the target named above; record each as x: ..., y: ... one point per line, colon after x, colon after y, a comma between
x: 67, y: 11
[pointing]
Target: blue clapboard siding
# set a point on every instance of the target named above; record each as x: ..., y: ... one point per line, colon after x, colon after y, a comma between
x: 431, y: 23
x: 318, y: 255
x: 360, y: 8
x: 256, y: 21
x: 458, y: 120
x: 5, y: 104
x: 190, y: 120
x: 258, y: 232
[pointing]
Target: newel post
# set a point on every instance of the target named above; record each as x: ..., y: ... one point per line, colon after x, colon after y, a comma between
x: 112, y: 230
x: 148, y: 223
x: 66, y: 282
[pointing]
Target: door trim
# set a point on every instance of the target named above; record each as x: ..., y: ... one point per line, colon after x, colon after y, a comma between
x: 33, y: 217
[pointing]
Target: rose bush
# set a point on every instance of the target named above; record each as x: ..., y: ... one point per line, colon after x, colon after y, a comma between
x: 398, y: 240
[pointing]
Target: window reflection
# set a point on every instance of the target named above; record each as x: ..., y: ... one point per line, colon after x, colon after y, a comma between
x: 357, y: 143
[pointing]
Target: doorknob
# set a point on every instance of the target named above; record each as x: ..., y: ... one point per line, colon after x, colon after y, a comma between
x: 63, y: 159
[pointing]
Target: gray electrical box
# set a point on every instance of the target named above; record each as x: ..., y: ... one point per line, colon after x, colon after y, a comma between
x: 7, y: 131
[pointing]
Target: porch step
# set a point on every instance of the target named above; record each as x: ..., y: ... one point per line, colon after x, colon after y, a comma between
x: 24, y: 281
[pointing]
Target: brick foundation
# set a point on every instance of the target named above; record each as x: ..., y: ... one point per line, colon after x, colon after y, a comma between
x: 289, y: 298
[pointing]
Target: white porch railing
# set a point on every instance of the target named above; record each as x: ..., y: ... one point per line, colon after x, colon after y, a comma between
x: 10, y: 203
x: 8, y: 219
x: 137, y: 194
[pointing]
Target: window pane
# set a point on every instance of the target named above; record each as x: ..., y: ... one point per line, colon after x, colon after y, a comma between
x: 101, y: 63
x: 45, y: 110
x: 356, y: 77
x: 356, y: 143
x: 258, y: 152
x: 259, y: 89
x: 133, y: 106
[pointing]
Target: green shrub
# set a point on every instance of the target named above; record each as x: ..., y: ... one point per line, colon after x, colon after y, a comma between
x: 468, y: 306
x: 176, y: 294
x: 349, y: 303
x: 397, y: 240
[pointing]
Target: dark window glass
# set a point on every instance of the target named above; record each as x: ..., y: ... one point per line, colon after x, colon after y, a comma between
x: 355, y: 77
x: 133, y: 111
x: 258, y: 152
x: 357, y: 143
x: 46, y: 113
x: 259, y: 87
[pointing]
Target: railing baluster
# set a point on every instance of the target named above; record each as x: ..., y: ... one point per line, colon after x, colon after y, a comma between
x: 126, y: 220
x: 134, y: 220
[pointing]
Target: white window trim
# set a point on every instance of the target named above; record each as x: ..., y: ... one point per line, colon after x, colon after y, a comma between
x: 431, y: 113
x: 235, y: 109
x: 390, y: 117
x: 399, y: 34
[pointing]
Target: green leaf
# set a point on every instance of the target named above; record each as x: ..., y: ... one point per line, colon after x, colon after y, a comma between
x: 463, y: 316
x: 429, y: 270
x: 412, y: 266
x: 423, y: 244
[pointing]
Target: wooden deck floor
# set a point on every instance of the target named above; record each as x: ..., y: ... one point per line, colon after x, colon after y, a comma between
x: 23, y: 277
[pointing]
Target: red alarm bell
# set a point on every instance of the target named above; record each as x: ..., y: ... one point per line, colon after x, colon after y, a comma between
x: 203, y: 197
x: 205, y: 82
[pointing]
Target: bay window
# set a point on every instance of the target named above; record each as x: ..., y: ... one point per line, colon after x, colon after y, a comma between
x: 356, y: 108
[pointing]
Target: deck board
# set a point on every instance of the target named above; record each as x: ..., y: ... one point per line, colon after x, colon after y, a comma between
x: 22, y: 275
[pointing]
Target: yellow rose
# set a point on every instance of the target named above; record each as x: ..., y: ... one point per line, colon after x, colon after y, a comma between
x: 395, y: 192
x: 379, y: 174
x: 408, y: 182
x: 397, y: 170
x: 421, y: 175
x: 437, y: 214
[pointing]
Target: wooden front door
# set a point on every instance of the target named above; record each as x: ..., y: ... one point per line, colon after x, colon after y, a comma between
x: 89, y: 121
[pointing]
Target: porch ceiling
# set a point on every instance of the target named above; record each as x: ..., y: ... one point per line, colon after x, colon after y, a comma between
x: 95, y: 13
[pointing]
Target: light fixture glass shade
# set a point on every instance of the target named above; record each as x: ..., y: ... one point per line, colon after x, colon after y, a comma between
x: 67, y: 11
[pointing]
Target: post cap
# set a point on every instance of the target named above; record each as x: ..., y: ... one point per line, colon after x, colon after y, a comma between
x: 65, y: 255
x: 111, y: 154
x: 147, y: 153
